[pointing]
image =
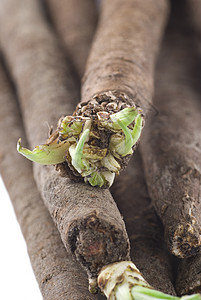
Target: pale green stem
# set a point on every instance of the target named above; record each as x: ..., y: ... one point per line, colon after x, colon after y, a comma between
x: 131, y: 137
x: 128, y: 142
x: 77, y: 155
x: 137, y: 129
x: 143, y: 293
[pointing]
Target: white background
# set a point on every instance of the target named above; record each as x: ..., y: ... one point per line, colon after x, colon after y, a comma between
x: 17, y: 281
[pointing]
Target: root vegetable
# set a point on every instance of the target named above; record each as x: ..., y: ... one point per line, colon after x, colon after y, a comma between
x: 144, y: 228
x: 89, y: 222
x: 75, y: 22
x: 171, y: 143
x: 58, y: 275
x: 189, y: 270
x: 122, y: 58
x: 118, y: 82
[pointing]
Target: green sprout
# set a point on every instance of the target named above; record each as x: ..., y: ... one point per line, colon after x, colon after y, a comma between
x: 47, y: 154
x: 126, y: 116
x: 77, y: 140
x: 143, y: 293
x: 77, y: 153
x: 123, y: 281
x: 96, y: 179
x: 123, y: 145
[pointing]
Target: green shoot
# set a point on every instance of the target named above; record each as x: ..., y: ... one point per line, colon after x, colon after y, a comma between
x: 77, y: 154
x: 47, y: 154
x: 143, y: 293
x: 77, y: 140
x: 124, y: 145
x: 137, y: 129
x: 96, y: 179
x: 191, y: 297
x: 125, y: 116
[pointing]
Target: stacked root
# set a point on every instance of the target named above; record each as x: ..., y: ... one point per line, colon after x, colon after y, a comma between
x: 81, y: 229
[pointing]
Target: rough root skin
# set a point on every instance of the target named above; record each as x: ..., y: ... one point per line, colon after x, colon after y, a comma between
x: 186, y: 241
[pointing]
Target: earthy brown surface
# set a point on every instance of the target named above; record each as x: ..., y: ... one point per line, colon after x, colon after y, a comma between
x: 58, y: 275
x: 123, y: 53
x: 144, y: 229
x: 171, y: 143
x: 189, y: 271
x: 189, y: 276
x: 84, y: 216
x: 38, y: 65
x: 194, y: 12
x: 75, y: 22
x: 88, y: 220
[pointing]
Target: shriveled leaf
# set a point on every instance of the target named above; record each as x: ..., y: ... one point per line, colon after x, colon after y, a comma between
x: 94, y: 152
x: 110, y: 163
x: 109, y: 177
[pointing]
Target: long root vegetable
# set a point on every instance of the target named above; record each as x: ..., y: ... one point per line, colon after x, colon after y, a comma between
x: 123, y: 280
x: 123, y: 53
x: 75, y: 22
x: 189, y: 270
x: 98, y: 140
x: 58, y: 275
x: 171, y: 143
x: 144, y: 228
x: 89, y: 222
x: 175, y: 85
